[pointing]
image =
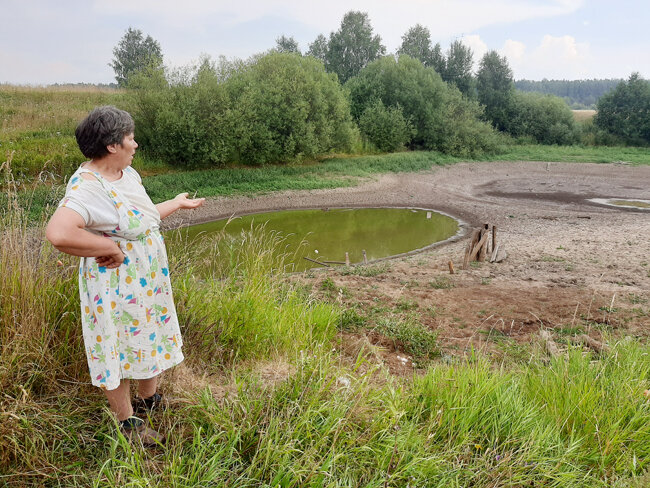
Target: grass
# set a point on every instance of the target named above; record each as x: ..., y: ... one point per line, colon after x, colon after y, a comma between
x: 38, y: 124
x: 331, y: 420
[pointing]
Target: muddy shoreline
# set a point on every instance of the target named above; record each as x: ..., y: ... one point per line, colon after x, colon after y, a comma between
x: 572, y: 263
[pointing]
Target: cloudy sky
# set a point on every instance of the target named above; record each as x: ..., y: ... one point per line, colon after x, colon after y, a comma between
x: 70, y: 41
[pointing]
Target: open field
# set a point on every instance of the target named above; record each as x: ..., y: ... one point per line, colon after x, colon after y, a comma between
x: 583, y: 115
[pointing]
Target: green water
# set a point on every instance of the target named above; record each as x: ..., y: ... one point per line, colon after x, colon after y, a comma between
x: 630, y: 203
x: 326, y: 235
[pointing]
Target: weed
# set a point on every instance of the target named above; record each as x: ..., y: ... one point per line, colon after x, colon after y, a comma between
x: 486, y: 281
x: 415, y: 339
x: 367, y: 271
x: 636, y: 299
x: 404, y: 305
x: 350, y: 320
x: 328, y: 285
x: 441, y: 283
x: 551, y: 259
x: 569, y: 331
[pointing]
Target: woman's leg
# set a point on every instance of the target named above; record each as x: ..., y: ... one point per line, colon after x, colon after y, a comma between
x: 120, y: 400
x: 146, y: 388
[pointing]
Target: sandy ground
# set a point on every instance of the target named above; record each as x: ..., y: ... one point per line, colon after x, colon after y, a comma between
x: 572, y: 266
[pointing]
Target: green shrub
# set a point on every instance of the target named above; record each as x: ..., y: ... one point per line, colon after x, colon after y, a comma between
x: 544, y: 118
x: 286, y: 107
x: 385, y: 128
x: 275, y: 108
x: 625, y: 111
x: 442, y: 119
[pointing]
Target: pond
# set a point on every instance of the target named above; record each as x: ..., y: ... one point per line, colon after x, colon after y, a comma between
x: 620, y: 202
x: 326, y: 235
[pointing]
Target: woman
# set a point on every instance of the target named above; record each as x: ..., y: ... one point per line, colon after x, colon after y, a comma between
x: 129, y: 322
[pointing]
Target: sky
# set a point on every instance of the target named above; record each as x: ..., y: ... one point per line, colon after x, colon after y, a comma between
x: 71, y: 41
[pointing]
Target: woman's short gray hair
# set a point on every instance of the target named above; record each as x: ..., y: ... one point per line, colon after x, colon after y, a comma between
x: 102, y: 127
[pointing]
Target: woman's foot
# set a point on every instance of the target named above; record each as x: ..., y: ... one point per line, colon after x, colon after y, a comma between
x: 149, y: 405
x: 136, y: 428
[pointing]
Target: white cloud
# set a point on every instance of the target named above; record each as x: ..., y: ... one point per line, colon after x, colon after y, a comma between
x: 445, y: 18
x: 514, y: 51
x: 555, y: 57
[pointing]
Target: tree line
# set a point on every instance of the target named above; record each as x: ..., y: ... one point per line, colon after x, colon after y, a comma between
x: 285, y: 105
x: 579, y: 94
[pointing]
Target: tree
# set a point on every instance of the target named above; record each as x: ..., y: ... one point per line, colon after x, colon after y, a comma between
x: 458, y: 68
x: 284, y: 44
x: 417, y: 44
x: 438, y: 59
x: 625, y: 111
x: 353, y: 46
x: 135, y: 53
x: 495, y: 88
x: 318, y: 48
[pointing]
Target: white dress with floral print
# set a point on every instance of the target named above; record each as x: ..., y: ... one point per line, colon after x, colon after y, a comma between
x: 129, y: 321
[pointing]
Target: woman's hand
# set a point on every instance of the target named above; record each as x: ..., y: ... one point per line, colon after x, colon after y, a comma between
x: 111, y: 261
x: 66, y: 231
x: 185, y: 202
x: 180, y: 201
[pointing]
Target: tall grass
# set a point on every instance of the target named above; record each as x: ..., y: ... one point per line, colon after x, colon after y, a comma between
x: 52, y: 422
x: 38, y: 125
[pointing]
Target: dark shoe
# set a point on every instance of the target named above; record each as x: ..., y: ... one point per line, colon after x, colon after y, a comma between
x: 135, y: 428
x: 144, y: 406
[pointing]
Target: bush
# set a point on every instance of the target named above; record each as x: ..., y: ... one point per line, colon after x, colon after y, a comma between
x: 545, y: 118
x: 625, y: 111
x: 442, y: 119
x: 184, y: 121
x: 286, y: 107
x: 385, y: 128
x: 275, y: 108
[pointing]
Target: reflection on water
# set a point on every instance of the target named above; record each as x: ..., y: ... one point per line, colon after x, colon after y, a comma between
x: 327, y: 234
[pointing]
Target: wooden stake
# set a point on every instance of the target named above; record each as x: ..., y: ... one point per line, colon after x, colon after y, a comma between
x: 451, y: 267
x: 478, y: 247
x: 317, y: 262
x: 476, y: 236
x: 468, y: 252
x: 495, y: 251
x: 484, y: 233
x: 347, y: 259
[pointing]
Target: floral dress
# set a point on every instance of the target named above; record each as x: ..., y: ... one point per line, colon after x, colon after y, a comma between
x: 129, y: 321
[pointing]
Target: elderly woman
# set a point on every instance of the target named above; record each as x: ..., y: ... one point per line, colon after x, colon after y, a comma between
x: 129, y: 322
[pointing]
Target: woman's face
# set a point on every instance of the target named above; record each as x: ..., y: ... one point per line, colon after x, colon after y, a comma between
x: 126, y: 149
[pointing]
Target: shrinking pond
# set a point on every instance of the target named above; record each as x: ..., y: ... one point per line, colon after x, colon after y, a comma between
x: 619, y: 202
x: 327, y: 234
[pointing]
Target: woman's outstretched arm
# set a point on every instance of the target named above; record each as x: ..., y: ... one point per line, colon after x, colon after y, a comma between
x: 165, y: 209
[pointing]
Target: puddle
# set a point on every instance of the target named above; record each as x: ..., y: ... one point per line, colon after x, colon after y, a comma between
x: 619, y: 202
x: 329, y: 233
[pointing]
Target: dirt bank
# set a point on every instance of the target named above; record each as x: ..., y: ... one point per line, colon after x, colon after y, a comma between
x: 573, y: 265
